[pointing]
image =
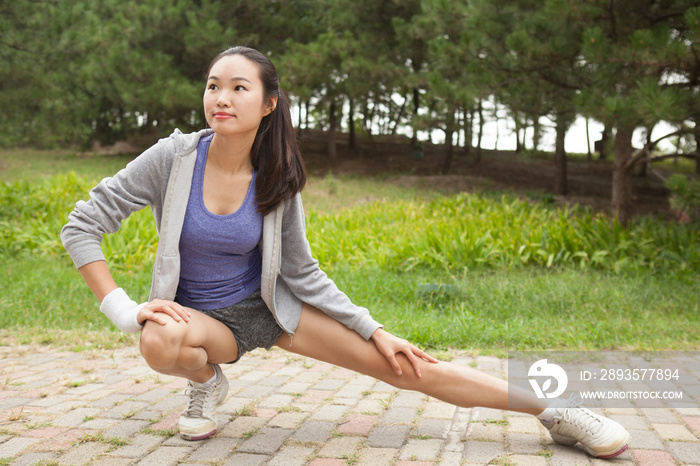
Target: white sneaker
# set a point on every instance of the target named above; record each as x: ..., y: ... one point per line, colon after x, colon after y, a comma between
x: 198, y: 420
x: 600, y: 437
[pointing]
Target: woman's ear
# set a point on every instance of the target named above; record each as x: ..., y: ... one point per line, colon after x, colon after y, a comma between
x: 272, y: 105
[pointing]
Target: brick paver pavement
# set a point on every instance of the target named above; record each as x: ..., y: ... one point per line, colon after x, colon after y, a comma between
x: 108, y: 408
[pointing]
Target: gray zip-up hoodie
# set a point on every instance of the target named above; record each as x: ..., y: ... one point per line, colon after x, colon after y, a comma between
x: 161, y: 178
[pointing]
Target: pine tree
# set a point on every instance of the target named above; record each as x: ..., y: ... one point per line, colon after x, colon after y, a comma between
x: 644, y: 63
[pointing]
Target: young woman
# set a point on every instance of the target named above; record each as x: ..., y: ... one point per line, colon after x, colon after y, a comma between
x: 234, y: 272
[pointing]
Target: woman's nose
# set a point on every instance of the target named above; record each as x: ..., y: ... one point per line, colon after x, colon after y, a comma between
x: 223, y: 99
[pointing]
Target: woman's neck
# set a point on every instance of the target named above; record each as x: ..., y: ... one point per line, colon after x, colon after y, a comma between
x: 231, y: 155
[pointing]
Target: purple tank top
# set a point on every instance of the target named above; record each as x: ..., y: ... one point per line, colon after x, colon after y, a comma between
x: 220, y: 258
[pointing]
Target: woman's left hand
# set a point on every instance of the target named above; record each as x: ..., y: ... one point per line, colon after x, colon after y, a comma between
x: 390, y: 346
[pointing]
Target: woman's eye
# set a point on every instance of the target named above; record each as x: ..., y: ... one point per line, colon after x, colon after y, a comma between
x: 239, y: 88
x: 213, y: 87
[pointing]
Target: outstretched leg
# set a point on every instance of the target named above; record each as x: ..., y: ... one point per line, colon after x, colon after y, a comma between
x: 321, y: 337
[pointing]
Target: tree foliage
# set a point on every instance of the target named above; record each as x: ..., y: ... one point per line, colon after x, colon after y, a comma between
x: 73, y: 72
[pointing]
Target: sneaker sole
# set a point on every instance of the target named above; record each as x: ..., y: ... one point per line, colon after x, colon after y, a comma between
x: 198, y: 433
x: 613, y: 455
x: 570, y: 442
x: 610, y: 454
x: 197, y: 436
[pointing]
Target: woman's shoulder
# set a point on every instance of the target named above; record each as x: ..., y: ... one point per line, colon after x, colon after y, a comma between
x: 179, y: 143
x: 164, y: 152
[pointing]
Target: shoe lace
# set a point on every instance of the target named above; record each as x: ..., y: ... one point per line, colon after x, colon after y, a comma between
x: 195, y: 406
x: 583, y: 418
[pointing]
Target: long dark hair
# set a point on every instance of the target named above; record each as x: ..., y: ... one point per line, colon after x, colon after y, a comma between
x: 275, y: 154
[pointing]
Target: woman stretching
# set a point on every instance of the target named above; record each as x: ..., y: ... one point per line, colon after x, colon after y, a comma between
x: 234, y: 272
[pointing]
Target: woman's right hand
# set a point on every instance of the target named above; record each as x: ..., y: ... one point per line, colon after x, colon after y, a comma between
x: 152, y: 310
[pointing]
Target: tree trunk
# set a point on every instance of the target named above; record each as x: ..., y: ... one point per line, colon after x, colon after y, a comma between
x: 301, y: 120
x: 332, y: 120
x: 604, y: 139
x: 519, y: 136
x: 369, y: 118
x: 365, y: 118
x: 307, y: 106
x: 588, y: 141
x: 622, y: 176
x: 561, y: 185
x: 459, y: 124
x: 446, y: 163
x: 498, y: 133
x: 480, y: 111
x: 298, y: 131
x: 536, y: 134
x: 351, y: 124
x: 416, y: 107
x: 642, y: 168
x: 697, y: 145
x: 468, y: 130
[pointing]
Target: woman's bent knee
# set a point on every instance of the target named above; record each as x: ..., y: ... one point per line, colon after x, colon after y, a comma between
x: 159, y: 344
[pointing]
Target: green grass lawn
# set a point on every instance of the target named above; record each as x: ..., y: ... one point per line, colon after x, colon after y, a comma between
x: 29, y: 164
x: 384, y: 245
x: 486, y: 311
x: 530, y: 308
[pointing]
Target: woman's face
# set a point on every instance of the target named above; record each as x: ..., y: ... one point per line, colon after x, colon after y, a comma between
x: 234, y: 98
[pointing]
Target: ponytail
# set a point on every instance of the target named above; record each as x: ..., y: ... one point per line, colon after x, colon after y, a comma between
x: 276, y: 157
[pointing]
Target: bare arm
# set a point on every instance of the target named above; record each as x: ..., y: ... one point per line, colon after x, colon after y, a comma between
x: 98, y: 278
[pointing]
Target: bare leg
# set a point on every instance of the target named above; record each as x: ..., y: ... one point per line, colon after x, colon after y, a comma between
x: 321, y: 337
x: 188, y: 349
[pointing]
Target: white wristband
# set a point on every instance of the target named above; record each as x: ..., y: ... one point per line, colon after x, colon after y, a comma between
x: 122, y: 310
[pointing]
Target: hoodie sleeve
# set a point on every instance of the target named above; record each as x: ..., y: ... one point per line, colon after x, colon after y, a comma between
x: 141, y: 183
x: 302, y: 274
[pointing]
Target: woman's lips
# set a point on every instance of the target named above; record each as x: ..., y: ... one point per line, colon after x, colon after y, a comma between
x: 222, y: 115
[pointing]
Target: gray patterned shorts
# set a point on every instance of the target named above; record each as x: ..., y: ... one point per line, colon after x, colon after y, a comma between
x: 251, y: 323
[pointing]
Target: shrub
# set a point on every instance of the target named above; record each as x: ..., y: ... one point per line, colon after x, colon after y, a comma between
x: 453, y: 233
x: 470, y: 231
x: 32, y: 215
x: 685, y: 196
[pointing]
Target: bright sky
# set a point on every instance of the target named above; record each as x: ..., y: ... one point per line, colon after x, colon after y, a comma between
x: 575, y: 138
x: 500, y: 134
